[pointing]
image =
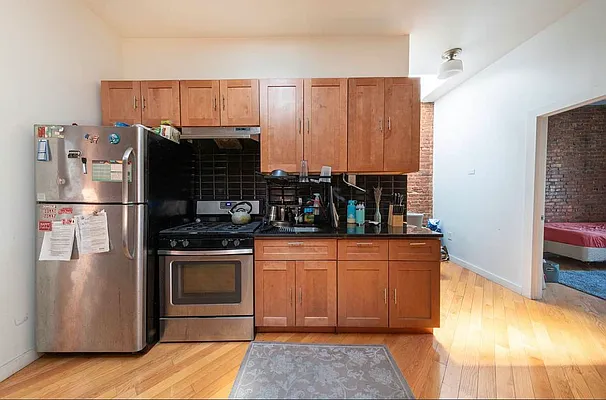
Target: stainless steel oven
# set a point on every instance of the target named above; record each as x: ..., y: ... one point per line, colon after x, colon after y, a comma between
x: 206, y: 295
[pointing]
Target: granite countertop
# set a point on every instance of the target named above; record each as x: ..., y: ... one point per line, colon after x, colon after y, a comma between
x: 367, y: 230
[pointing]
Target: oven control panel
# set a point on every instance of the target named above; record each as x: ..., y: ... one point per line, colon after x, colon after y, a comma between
x: 205, y: 243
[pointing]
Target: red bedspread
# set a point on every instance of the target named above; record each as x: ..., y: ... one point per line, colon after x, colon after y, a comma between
x: 586, y: 234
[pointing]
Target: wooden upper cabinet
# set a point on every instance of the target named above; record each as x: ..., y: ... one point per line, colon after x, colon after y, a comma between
x: 325, y: 108
x: 316, y: 286
x: 160, y: 101
x: 365, y: 125
x: 281, y: 124
x: 414, y: 294
x: 274, y: 293
x: 200, y: 103
x: 401, y: 145
x: 240, y: 102
x: 120, y: 102
x: 362, y: 293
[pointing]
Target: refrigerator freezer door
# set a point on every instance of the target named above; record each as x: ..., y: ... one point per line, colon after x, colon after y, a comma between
x: 95, y: 302
x: 86, y: 164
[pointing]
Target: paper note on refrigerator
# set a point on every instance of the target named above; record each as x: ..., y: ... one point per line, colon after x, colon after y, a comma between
x: 57, y: 244
x: 91, y: 233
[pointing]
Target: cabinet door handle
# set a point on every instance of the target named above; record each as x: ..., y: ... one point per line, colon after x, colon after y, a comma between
x: 363, y: 244
x: 395, y: 296
x: 417, y: 244
x: 380, y: 124
x: 223, y: 103
x: 134, y: 102
x: 290, y: 296
x: 389, y: 123
x: 295, y: 244
x: 143, y: 99
x: 215, y: 104
x: 385, y: 295
x: 300, y: 295
x: 308, y: 126
x: 300, y: 125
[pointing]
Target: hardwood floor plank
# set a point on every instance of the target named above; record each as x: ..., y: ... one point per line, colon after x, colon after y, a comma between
x: 505, y: 387
x: 538, y: 374
x: 575, y: 378
x: 487, y: 386
x: 557, y: 377
x: 468, y: 387
x: 493, y: 343
x: 521, y: 372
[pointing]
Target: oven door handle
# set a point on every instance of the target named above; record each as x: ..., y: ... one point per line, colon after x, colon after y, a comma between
x: 204, y: 253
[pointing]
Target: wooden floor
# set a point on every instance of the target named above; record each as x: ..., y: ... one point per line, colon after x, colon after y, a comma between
x: 493, y: 343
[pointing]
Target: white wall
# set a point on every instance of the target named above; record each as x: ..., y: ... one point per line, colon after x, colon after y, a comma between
x: 265, y: 57
x: 489, y: 124
x: 53, y: 55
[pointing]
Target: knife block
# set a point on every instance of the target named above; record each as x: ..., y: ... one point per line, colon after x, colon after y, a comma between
x: 396, y: 215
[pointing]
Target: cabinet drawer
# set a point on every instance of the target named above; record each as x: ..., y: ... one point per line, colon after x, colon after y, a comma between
x: 299, y: 250
x: 362, y: 250
x: 414, y: 249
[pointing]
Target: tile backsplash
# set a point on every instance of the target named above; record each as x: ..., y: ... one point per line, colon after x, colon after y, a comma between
x: 221, y: 174
x: 390, y: 183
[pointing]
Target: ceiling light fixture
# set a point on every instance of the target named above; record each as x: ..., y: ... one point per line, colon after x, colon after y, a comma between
x: 450, y: 66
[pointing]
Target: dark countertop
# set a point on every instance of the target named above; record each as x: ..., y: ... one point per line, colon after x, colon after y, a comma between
x: 344, y: 231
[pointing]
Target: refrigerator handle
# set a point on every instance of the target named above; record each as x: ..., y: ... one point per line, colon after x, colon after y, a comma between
x: 125, y: 244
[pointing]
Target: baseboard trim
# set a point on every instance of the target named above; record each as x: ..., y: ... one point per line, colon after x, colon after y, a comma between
x: 488, y: 275
x: 18, y: 363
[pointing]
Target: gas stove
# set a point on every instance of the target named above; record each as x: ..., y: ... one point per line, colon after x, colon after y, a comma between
x: 206, y: 276
x: 211, y: 231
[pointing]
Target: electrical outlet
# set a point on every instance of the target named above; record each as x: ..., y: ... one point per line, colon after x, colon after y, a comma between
x: 449, y: 236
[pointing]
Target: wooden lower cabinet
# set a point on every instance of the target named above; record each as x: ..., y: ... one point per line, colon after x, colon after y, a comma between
x: 399, y: 287
x: 274, y: 293
x: 362, y: 294
x: 414, y: 288
x: 295, y: 293
x: 316, y: 285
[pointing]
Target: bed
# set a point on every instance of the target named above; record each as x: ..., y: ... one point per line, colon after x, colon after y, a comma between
x: 584, y: 241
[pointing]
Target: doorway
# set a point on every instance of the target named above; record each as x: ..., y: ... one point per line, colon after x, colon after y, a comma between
x: 570, y: 199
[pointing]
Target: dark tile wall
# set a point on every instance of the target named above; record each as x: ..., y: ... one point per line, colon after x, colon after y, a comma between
x: 220, y: 174
x: 390, y: 183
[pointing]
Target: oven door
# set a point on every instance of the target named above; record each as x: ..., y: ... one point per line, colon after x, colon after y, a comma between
x: 207, y: 283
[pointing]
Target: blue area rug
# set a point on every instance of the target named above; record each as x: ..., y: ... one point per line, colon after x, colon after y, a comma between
x: 591, y: 282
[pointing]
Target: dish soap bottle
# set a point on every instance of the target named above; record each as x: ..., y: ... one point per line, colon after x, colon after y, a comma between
x: 351, y: 212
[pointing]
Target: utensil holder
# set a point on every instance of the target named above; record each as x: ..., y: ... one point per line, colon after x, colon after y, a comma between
x: 396, y: 215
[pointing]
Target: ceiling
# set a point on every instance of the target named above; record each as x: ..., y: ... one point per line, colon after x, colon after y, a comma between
x: 485, y: 29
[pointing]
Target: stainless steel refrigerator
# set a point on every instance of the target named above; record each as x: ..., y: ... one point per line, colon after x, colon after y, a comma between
x: 104, y: 302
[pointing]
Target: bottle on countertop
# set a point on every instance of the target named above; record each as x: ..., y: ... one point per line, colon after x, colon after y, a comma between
x: 351, y: 212
x: 360, y: 213
x: 317, y: 203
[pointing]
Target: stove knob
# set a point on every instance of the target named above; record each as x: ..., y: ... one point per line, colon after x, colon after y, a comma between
x: 185, y: 243
x: 173, y: 243
x: 236, y: 243
x: 224, y: 242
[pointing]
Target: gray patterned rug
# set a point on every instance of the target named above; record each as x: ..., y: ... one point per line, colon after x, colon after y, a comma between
x: 311, y: 371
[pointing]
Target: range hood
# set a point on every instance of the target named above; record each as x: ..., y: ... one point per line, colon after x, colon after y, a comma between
x: 219, y: 132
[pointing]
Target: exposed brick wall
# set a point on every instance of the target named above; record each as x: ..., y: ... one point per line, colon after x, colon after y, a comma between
x: 576, y: 166
x: 420, y: 184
